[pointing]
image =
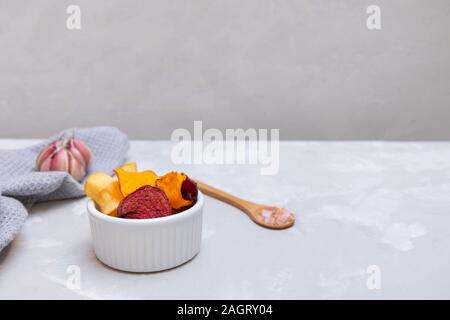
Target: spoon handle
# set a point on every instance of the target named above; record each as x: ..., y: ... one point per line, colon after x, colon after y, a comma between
x: 239, y: 203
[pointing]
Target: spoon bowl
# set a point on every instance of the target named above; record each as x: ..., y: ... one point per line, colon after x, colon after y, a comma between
x: 273, y: 217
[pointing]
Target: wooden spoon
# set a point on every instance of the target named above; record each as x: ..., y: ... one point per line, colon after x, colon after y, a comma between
x: 266, y: 216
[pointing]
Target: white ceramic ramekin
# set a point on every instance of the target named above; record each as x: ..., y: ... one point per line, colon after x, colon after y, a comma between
x: 147, y: 245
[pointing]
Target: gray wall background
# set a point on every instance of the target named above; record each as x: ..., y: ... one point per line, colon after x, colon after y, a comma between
x: 308, y: 67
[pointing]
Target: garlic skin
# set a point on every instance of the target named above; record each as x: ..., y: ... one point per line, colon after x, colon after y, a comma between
x: 68, y: 155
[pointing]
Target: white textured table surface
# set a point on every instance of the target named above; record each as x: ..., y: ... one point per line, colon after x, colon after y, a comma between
x: 357, y: 204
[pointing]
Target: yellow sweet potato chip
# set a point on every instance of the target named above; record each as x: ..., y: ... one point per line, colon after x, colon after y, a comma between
x: 110, y: 199
x: 131, y: 181
x: 95, y: 183
x: 130, y: 167
x: 105, y: 192
x: 171, y: 183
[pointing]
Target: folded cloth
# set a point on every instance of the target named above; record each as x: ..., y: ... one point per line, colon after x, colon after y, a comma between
x: 21, y: 185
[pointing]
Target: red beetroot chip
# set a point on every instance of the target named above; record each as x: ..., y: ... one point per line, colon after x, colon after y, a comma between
x: 144, y: 203
x: 189, y: 190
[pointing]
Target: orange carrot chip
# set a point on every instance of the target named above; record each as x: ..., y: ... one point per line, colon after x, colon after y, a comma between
x: 131, y: 181
x: 171, y: 184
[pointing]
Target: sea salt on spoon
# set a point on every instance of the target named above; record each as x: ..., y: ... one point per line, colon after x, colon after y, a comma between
x: 266, y: 216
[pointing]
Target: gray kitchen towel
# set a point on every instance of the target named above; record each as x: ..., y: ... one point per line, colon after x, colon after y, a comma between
x: 21, y: 185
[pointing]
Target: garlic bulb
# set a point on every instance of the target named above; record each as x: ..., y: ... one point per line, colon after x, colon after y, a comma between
x: 68, y: 155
